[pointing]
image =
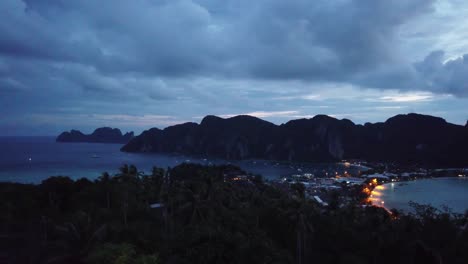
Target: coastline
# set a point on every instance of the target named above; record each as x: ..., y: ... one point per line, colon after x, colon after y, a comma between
x: 378, y: 199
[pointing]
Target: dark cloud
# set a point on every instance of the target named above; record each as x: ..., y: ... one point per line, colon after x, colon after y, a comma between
x: 297, y: 39
x: 331, y: 39
x: 336, y: 41
x: 449, y: 77
x: 161, y: 55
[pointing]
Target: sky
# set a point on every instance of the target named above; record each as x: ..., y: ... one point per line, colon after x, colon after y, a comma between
x: 153, y: 63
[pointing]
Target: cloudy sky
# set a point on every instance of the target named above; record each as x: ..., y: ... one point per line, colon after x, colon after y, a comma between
x: 145, y: 63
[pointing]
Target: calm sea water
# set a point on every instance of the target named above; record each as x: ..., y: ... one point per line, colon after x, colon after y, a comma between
x: 450, y: 192
x: 32, y: 159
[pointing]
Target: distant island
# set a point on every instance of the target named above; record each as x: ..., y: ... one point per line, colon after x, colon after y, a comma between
x: 100, y: 135
x: 411, y: 139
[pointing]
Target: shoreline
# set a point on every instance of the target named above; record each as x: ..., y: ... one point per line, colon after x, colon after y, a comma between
x: 377, y: 199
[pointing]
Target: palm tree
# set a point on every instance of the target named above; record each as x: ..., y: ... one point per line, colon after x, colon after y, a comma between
x: 105, y: 180
x: 78, y: 237
x: 124, y: 169
x: 133, y: 171
x: 130, y: 183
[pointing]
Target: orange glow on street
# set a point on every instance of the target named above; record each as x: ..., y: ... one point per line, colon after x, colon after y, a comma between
x: 380, y: 187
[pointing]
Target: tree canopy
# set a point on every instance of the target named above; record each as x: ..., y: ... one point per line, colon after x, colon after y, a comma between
x: 194, y: 214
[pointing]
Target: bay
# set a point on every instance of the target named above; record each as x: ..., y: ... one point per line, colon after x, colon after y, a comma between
x: 437, y: 192
x: 33, y: 159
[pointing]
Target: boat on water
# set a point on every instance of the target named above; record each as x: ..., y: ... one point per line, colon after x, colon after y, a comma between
x: 94, y: 156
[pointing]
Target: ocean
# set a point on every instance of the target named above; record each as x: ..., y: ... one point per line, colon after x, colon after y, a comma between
x: 438, y: 192
x: 33, y: 159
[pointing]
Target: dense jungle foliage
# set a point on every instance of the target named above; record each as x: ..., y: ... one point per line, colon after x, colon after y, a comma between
x: 192, y: 214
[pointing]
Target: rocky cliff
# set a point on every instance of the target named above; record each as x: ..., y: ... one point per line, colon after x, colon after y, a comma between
x: 100, y: 135
x: 411, y: 138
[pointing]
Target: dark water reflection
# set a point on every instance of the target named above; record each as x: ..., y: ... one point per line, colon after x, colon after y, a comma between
x: 438, y: 192
x: 32, y: 159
